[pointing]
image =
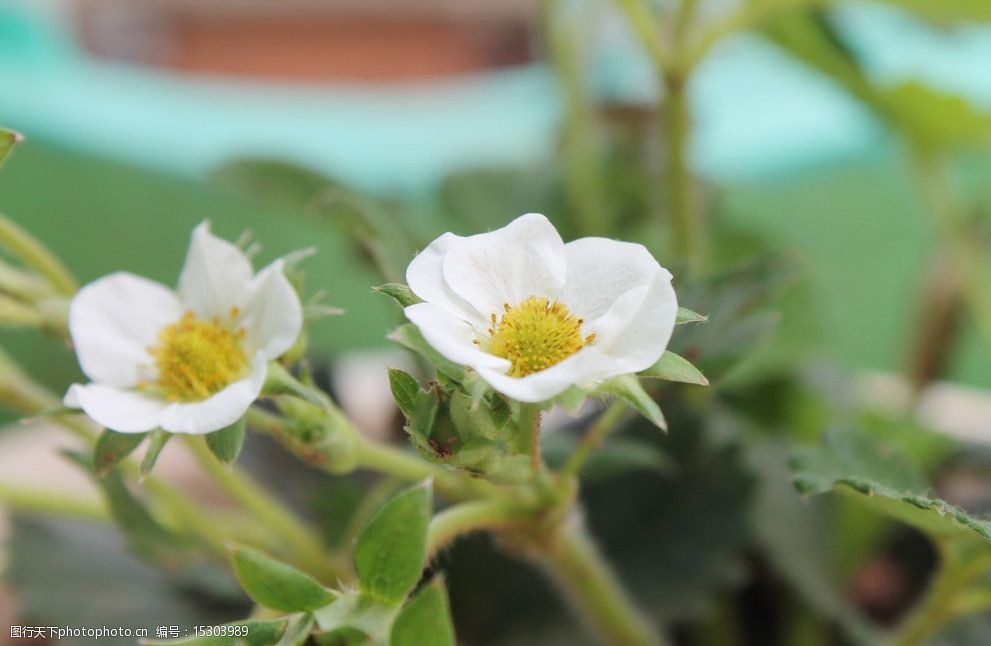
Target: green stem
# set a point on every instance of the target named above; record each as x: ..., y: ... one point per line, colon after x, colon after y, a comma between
x: 469, y: 517
x: 34, y: 254
x: 388, y: 459
x: 266, y: 509
x: 581, y: 146
x: 685, y: 217
x: 596, y: 435
x: 50, y: 502
x: 586, y: 579
x: 939, y: 605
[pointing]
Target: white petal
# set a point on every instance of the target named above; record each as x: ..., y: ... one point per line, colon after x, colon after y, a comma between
x: 114, y: 320
x: 425, y: 276
x: 586, y: 366
x: 124, y: 411
x: 601, y: 270
x: 525, y: 258
x: 272, y: 315
x: 215, y: 277
x: 638, y: 335
x: 220, y: 410
x: 452, y: 337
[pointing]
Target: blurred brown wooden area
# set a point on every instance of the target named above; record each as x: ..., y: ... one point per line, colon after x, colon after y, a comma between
x: 311, y: 40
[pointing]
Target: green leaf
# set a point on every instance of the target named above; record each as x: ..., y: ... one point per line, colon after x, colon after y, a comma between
x: 155, y: 446
x: 686, y: 315
x: 404, y: 388
x: 227, y: 442
x: 426, y: 619
x: 260, y: 632
x: 628, y: 387
x: 276, y: 585
x: 112, y: 447
x: 673, y: 367
x: 400, y: 293
x: 855, y: 462
x: 391, y: 550
x: 409, y: 336
x: 8, y: 141
x: 624, y: 454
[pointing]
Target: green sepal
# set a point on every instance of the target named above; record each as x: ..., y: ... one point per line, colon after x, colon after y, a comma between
x: 686, y: 315
x: 409, y: 336
x: 391, y: 550
x: 400, y: 293
x: 673, y: 367
x: 8, y: 141
x: 226, y: 443
x: 628, y: 387
x: 112, y: 447
x: 156, y: 443
x: 275, y: 585
x: 404, y: 387
x: 425, y: 620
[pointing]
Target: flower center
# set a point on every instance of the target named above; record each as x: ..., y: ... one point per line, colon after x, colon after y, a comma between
x: 196, y: 359
x: 536, y: 334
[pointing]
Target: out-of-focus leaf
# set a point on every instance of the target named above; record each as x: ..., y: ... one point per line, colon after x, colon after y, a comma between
x: 391, y: 550
x: 112, y: 447
x: 156, y: 443
x: 932, y: 119
x: 400, y: 293
x: 856, y: 462
x: 628, y: 387
x: 226, y: 443
x: 935, y: 120
x: 8, y: 140
x: 146, y: 536
x: 409, y: 336
x: 425, y: 620
x: 404, y: 388
x: 276, y: 585
x: 672, y: 367
x: 796, y: 538
x: 260, y: 632
x: 624, y: 454
x: 947, y: 11
x: 73, y: 573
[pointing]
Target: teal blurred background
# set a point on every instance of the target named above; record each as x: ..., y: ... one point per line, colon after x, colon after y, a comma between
x: 128, y: 109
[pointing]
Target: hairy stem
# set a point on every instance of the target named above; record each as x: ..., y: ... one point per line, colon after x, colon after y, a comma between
x: 594, y: 437
x: 939, y: 606
x: 268, y: 511
x: 34, y: 254
x: 577, y: 566
x: 468, y: 517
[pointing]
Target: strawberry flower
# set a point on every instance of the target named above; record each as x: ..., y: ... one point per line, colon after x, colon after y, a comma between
x: 187, y: 361
x: 534, y: 316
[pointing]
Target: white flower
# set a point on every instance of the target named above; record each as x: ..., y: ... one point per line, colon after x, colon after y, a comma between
x: 187, y: 361
x: 534, y: 316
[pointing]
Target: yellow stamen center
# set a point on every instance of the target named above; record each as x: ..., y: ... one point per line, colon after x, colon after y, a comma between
x: 196, y: 358
x: 536, y: 334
